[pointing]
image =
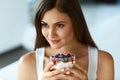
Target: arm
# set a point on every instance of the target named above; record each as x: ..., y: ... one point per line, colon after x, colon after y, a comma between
x: 105, y: 66
x: 26, y: 67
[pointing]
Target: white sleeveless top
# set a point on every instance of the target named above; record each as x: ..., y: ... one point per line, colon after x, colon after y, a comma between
x: 92, y: 68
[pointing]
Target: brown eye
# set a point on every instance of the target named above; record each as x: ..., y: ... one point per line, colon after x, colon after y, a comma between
x: 60, y: 25
x: 44, y: 24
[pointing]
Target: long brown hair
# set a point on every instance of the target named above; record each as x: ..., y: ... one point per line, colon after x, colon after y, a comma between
x: 73, y: 10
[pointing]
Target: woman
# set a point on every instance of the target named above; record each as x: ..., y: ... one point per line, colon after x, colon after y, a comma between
x: 61, y: 28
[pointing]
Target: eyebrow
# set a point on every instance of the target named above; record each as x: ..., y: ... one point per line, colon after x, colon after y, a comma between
x: 55, y: 23
x: 43, y: 22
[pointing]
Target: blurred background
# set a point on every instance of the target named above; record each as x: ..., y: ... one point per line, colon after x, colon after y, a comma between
x: 17, y: 32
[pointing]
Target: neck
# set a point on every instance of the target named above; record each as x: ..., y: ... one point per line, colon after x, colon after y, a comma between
x: 75, y: 49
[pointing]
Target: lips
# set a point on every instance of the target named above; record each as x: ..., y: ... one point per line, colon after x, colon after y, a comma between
x: 54, y: 41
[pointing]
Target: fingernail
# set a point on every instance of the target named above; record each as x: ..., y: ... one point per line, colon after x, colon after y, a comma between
x: 74, y: 62
x: 62, y: 69
x: 51, y: 62
x: 52, y: 69
x: 67, y: 72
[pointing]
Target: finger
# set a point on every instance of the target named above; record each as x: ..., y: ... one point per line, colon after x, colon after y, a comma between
x: 49, y: 66
x: 69, y: 77
x: 79, y: 68
x: 59, y: 77
x: 56, y: 72
x: 79, y: 74
x: 67, y: 70
x: 76, y: 74
x: 65, y: 77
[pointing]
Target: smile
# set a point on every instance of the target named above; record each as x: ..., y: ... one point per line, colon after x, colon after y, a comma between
x: 54, y: 41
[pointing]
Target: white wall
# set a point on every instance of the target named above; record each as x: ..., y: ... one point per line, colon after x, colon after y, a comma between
x: 13, y: 18
x: 106, y: 36
x: 104, y: 25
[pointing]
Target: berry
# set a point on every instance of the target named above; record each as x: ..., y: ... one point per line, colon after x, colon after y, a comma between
x: 68, y: 55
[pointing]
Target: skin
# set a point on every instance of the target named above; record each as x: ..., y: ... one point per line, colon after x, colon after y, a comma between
x: 57, y: 28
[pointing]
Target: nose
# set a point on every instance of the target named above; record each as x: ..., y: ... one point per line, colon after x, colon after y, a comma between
x: 52, y: 33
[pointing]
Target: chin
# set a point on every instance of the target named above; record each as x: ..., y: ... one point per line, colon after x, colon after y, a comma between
x: 55, y: 47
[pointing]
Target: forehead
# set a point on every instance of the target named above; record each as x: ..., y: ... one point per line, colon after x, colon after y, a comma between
x: 54, y: 15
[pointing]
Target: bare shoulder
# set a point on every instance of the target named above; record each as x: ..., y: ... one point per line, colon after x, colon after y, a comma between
x: 105, y: 57
x: 28, y: 57
x: 105, y: 66
x: 27, y: 67
x: 28, y: 60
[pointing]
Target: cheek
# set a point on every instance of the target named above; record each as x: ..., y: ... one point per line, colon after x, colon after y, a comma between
x: 67, y: 34
x: 44, y: 33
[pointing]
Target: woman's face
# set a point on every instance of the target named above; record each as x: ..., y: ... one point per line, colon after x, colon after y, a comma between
x: 57, y: 28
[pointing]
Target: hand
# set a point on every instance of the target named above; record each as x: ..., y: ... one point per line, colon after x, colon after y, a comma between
x: 75, y: 73
x: 49, y: 74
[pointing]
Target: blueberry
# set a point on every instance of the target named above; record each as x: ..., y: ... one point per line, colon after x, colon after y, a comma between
x: 66, y: 59
x: 62, y: 59
x: 61, y: 56
x: 57, y: 55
